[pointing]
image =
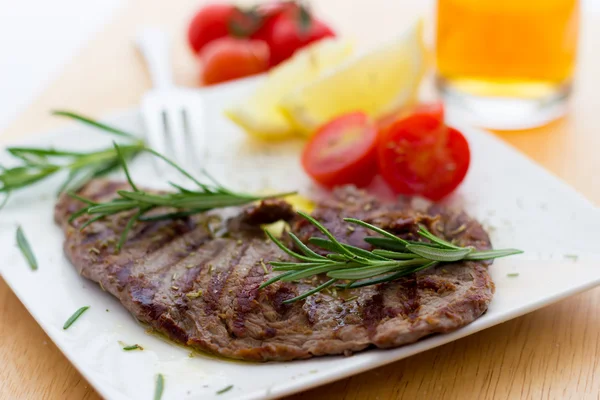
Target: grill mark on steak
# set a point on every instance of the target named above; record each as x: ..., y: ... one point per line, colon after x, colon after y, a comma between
x: 411, y: 302
x: 372, y: 312
x: 219, y: 279
x: 246, y: 300
x: 191, y: 275
x: 228, y: 315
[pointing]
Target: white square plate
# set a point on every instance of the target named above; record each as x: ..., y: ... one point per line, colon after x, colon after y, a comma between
x: 522, y: 205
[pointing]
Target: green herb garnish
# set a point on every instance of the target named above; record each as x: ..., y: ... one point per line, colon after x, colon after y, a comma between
x: 74, y: 317
x: 160, y: 386
x: 181, y: 203
x: 37, y: 164
x: 225, y: 389
x: 26, y: 249
x: 353, y: 267
x: 513, y: 274
x: 133, y: 347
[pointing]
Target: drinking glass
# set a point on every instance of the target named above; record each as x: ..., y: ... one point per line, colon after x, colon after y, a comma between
x: 506, y: 64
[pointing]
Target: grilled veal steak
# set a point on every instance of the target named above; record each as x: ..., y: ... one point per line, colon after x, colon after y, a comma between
x: 196, y: 279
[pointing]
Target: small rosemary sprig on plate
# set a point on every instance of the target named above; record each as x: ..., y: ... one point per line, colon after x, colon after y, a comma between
x: 225, y: 389
x: 74, y: 317
x: 133, y: 347
x: 160, y: 387
x: 37, y: 164
x: 180, y: 203
x: 353, y: 267
x: 25, y: 248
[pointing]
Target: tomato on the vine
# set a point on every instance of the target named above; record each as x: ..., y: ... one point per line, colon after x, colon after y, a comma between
x: 210, y: 22
x: 289, y: 28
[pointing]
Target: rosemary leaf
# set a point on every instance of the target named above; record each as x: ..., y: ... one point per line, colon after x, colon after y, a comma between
x: 385, y: 243
x: 133, y: 347
x: 371, y: 271
x: 124, y: 165
x: 491, y: 254
x: 317, y: 269
x: 285, y: 249
x: 428, y: 235
x: 26, y: 249
x: 5, y: 200
x: 151, y: 199
x: 19, y: 151
x: 375, y: 229
x: 336, y: 244
x: 128, y: 227
x: 91, y: 221
x: 160, y: 387
x: 394, y: 255
x: 433, y: 254
x: 112, y: 207
x: 275, y: 279
x: 307, y: 251
x: 174, y: 215
x: 328, y: 245
x: 74, y: 317
x: 92, y: 122
x: 389, y: 277
x: 225, y: 389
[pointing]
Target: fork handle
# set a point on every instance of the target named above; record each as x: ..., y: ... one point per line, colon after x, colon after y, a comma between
x: 154, y: 46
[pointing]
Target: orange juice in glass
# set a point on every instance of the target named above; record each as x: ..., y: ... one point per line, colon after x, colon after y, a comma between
x: 506, y: 64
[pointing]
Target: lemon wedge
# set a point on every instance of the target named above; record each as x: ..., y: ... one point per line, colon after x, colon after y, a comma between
x: 260, y: 114
x: 379, y: 82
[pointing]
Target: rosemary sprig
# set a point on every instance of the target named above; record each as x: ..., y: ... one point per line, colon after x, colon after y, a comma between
x: 391, y: 259
x: 74, y: 317
x: 26, y: 249
x: 36, y: 164
x: 179, y: 203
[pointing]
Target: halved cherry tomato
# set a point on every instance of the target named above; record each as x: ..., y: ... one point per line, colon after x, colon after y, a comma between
x: 342, y: 151
x: 228, y: 58
x: 420, y: 155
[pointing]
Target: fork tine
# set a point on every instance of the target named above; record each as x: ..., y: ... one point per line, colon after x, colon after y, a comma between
x: 175, y: 128
x: 197, y: 134
x: 152, y: 116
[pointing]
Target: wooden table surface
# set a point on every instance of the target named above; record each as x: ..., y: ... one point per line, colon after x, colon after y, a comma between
x: 553, y: 353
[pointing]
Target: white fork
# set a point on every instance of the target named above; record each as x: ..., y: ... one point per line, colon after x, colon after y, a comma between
x: 171, y: 115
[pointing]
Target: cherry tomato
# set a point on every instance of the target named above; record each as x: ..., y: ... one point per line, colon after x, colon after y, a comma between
x: 419, y: 155
x: 342, y: 151
x: 435, y: 110
x: 288, y: 29
x: 228, y: 58
x: 210, y: 22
